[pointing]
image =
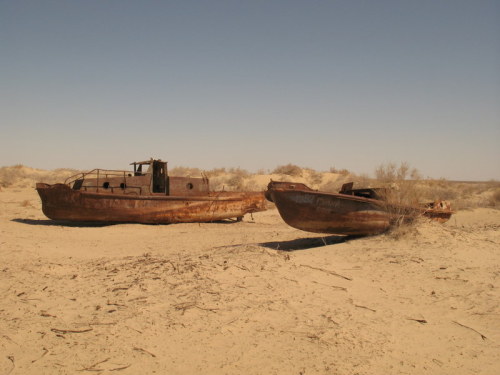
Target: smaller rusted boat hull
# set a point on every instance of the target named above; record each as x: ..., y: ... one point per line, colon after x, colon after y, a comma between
x: 340, y: 214
x: 319, y: 213
x: 60, y: 202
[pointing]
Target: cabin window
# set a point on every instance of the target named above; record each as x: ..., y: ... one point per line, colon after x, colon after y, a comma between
x: 105, y: 185
x: 189, y: 186
x: 123, y: 185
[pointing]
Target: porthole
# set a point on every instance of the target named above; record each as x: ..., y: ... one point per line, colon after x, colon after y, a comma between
x: 105, y: 185
x: 123, y: 185
x: 189, y: 186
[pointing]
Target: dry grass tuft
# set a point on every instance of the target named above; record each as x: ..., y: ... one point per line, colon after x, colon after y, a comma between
x: 406, y: 231
x: 289, y: 170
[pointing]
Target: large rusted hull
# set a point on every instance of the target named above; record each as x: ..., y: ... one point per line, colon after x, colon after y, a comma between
x: 60, y: 202
x: 341, y: 214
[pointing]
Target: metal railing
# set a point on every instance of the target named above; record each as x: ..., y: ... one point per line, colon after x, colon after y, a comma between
x: 103, y: 174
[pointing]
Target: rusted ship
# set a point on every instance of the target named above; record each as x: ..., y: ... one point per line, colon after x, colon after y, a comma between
x: 349, y: 212
x: 145, y: 195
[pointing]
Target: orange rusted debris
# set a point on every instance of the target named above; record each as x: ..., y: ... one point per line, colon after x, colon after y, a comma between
x: 145, y: 195
x: 349, y: 212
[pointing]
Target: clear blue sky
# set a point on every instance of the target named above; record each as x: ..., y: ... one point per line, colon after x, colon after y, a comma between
x: 252, y: 84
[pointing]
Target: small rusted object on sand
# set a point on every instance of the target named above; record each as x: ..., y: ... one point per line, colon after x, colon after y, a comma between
x: 349, y: 212
x: 145, y: 195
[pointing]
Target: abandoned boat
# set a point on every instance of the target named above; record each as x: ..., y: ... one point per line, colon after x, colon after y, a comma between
x: 145, y: 195
x: 349, y: 212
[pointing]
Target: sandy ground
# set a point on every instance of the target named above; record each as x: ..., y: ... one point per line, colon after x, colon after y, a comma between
x: 251, y: 297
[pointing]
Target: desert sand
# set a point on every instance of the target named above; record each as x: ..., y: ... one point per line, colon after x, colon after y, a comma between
x: 250, y: 297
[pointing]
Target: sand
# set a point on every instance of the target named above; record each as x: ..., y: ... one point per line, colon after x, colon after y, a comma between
x: 251, y: 297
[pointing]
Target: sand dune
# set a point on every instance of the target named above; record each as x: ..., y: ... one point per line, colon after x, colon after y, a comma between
x: 251, y: 297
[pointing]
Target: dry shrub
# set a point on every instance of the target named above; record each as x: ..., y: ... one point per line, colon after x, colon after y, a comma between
x: 185, y: 172
x: 405, y: 193
x: 400, y: 193
x: 21, y: 176
x: 289, y: 169
x: 10, y: 175
x: 239, y: 172
x: 251, y: 186
x: 215, y: 172
x: 405, y: 232
x: 495, y: 198
x: 390, y: 172
x: 477, y: 194
x: 230, y: 180
x: 343, y: 172
x: 235, y: 182
x: 313, y: 177
x: 432, y: 190
x: 463, y: 195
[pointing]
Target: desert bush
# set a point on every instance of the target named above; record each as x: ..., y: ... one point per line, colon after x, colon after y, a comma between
x: 406, y: 231
x: 313, y: 177
x: 343, y: 172
x: 289, y: 169
x: 235, y: 182
x: 215, y: 172
x: 463, y: 195
x: 390, y: 172
x: 495, y: 198
x: 251, y: 186
x: 185, y: 172
x: 9, y: 175
x: 21, y: 176
x: 400, y: 193
x: 239, y: 172
x: 230, y: 179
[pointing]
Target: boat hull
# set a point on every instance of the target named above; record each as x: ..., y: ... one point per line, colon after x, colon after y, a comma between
x: 325, y: 213
x: 341, y: 214
x: 60, y: 202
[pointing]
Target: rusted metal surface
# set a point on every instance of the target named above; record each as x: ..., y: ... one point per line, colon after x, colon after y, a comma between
x: 342, y: 213
x: 143, y: 197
